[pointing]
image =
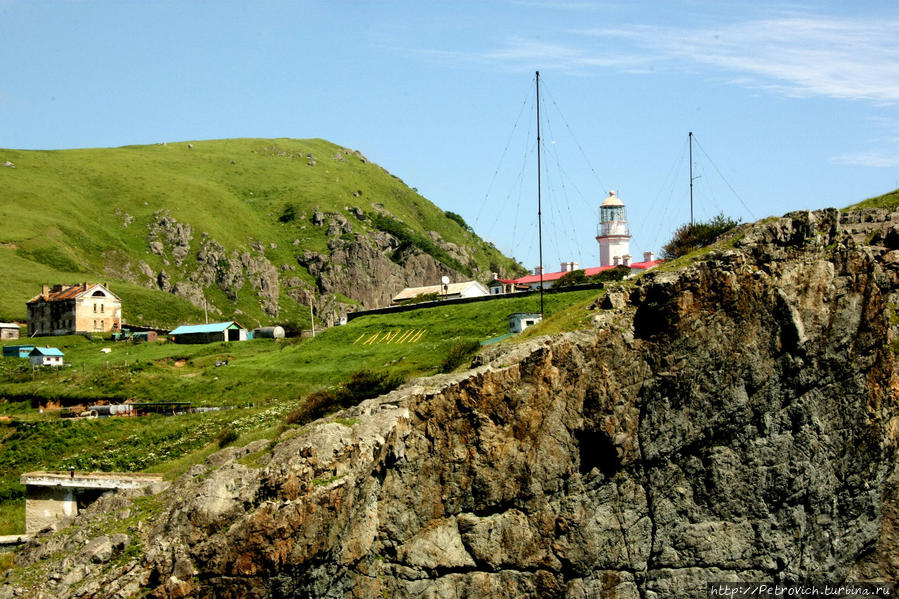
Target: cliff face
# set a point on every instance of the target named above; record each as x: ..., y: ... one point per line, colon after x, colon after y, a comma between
x: 735, y: 419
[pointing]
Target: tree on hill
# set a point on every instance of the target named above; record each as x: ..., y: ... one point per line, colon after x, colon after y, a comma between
x: 691, y: 237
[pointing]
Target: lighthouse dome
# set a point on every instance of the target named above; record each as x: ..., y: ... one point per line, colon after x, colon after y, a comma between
x: 612, y: 200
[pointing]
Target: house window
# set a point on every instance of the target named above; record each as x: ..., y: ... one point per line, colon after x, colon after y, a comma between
x: 101, y: 308
x: 95, y: 308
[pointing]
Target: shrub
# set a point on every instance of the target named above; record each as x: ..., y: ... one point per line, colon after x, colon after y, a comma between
x: 458, y: 218
x: 570, y: 279
x: 692, y: 237
x: 459, y: 354
x: 226, y: 437
x: 613, y: 274
x: 288, y: 215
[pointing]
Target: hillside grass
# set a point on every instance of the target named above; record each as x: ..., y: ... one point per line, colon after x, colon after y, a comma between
x: 887, y: 200
x: 83, y: 215
x: 266, y: 379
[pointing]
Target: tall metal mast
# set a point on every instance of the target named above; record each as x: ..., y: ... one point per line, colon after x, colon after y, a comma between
x: 539, y: 211
x: 691, y: 178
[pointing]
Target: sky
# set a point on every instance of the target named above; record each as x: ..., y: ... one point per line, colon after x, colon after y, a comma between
x: 793, y: 105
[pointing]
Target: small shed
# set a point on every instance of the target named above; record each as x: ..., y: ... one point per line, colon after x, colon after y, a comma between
x: 17, y: 351
x: 46, y: 356
x: 9, y: 330
x: 144, y: 336
x: 522, y: 320
x: 274, y: 332
x: 209, y: 333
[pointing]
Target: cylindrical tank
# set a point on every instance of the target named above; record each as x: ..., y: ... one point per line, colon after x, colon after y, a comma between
x: 275, y: 332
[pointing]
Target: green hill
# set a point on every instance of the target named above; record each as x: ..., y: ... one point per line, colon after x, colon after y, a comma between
x: 258, y: 228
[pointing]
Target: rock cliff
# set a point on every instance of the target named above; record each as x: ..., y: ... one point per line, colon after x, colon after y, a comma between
x: 734, y: 419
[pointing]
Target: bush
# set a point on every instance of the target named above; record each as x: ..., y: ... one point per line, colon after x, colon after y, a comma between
x: 459, y: 354
x: 570, y: 279
x: 288, y: 215
x: 692, y: 237
x: 613, y: 274
x: 226, y: 437
x: 458, y: 218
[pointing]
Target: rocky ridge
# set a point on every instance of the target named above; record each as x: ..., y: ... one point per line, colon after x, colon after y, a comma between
x: 365, y: 265
x: 735, y: 419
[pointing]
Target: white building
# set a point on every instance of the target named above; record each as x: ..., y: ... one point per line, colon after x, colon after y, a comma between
x: 448, y: 291
x: 613, y: 234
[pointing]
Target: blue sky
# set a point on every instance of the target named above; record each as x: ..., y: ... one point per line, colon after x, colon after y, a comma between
x: 793, y: 104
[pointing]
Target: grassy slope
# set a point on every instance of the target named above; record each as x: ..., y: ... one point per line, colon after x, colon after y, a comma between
x: 271, y: 375
x: 887, y: 200
x: 67, y: 212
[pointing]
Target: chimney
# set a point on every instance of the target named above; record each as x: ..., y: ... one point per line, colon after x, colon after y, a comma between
x: 538, y: 270
x: 626, y: 259
x: 648, y: 256
x: 616, y: 260
x: 495, y: 275
x: 45, y: 290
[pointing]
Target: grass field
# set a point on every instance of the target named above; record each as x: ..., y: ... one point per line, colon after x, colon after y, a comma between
x: 238, y: 192
x: 265, y: 378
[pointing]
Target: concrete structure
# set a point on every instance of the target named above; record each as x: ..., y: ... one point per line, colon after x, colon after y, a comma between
x: 449, y: 291
x: 46, y: 356
x: 209, y: 333
x: 9, y: 330
x: 613, y: 234
x: 52, y: 496
x: 69, y: 309
x: 522, y: 320
x: 17, y: 351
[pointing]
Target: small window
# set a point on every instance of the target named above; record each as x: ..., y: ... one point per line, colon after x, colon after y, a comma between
x: 95, y: 308
x: 101, y: 307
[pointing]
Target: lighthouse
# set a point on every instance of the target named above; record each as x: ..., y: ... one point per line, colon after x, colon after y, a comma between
x: 613, y: 234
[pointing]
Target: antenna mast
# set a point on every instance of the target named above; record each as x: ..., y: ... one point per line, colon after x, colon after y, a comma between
x: 539, y: 210
x: 691, y: 178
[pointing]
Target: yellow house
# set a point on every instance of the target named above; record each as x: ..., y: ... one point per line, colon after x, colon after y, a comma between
x: 68, y: 309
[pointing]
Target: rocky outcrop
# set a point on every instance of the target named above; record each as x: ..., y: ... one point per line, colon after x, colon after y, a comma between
x: 736, y: 419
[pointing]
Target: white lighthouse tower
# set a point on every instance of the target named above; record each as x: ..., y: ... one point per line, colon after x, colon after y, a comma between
x: 613, y: 234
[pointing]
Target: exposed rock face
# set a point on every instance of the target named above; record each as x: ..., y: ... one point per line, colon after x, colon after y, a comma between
x: 363, y: 266
x: 733, y: 420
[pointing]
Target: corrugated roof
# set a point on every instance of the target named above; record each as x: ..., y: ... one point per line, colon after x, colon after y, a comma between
x: 46, y: 351
x: 8, y: 325
x: 212, y: 327
x: 452, y: 289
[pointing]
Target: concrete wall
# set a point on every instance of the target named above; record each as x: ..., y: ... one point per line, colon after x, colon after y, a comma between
x: 9, y: 333
x: 45, y: 506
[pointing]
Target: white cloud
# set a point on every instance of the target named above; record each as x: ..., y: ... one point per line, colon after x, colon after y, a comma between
x: 796, y: 55
x: 872, y: 158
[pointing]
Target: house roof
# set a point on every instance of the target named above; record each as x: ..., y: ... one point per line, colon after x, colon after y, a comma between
x: 69, y: 292
x: 452, y: 289
x: 552, y: 276
x: 212, y: 327
x: 8, y: 325
x: 46, y: 351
